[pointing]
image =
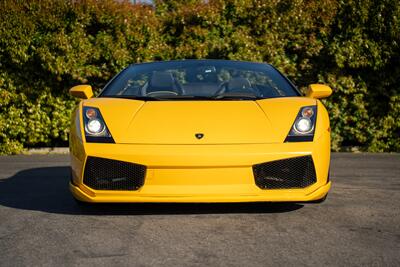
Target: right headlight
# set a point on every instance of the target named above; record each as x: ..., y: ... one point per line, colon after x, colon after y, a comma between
x: 95, y: 128
x: 303, y: 127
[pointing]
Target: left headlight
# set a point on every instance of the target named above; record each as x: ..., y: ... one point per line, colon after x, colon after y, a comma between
x: 96, y: 130
x: 304, y: 126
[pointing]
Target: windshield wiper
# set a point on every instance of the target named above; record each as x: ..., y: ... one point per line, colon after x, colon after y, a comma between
x: 187, y: 97
x: 152, y: 98
x: 144, y: 98
x: 240, y: 96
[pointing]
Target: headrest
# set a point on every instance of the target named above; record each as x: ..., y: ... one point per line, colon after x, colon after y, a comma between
x: 161, y: 81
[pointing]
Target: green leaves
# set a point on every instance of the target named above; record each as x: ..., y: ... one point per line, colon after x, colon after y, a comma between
x: 48, y: 46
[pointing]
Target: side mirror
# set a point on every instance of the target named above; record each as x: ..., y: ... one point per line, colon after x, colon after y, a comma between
x: 81, y: 91
x: 318, y: 91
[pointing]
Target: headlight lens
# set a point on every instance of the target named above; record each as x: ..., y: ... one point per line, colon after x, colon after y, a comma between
x: 95, y: 127
x: 91, y: 113
x: 307, y: 112
x: 303, y: 125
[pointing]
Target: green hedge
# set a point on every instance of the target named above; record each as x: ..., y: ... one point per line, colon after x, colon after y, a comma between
x: 48, y: 46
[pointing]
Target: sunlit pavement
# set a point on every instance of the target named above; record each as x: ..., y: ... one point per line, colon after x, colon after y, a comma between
x: 359, y: 223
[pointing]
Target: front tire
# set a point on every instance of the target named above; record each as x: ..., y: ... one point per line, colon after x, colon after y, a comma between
x: 319, y: 200
x: 81, y: 203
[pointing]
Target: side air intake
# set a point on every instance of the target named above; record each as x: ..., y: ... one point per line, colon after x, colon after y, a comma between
x: 296, y: 172
x: 107, y: 174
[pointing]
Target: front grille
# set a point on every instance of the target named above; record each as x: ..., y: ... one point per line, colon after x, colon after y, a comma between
x: 107, y: 174
x: 296, y: 172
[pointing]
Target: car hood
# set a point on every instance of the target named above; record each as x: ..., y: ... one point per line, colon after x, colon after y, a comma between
x: 214, y: 122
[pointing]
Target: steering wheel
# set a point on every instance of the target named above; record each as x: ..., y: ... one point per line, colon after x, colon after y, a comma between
x: 221, y: 88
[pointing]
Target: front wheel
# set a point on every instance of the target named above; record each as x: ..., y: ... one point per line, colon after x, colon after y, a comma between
x: 81, y: 203
x: 319, y: 200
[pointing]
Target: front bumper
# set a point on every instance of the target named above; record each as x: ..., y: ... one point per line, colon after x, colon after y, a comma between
x: 184, y: 197
x: 201, y: 173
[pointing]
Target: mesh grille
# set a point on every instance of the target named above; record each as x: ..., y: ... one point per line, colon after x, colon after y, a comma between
x: 107, y: 174
x: 286, y: 173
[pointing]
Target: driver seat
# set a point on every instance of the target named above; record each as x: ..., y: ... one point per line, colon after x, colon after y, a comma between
x: 162, y: 81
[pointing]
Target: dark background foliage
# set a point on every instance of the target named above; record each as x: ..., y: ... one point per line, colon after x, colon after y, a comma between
x: 48, y: 46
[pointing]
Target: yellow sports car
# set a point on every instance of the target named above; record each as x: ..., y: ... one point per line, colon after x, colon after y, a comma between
x: 200, y: 131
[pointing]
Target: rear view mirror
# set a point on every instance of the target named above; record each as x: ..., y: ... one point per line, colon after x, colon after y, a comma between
x: 81, y: 91
x: 318, y: 91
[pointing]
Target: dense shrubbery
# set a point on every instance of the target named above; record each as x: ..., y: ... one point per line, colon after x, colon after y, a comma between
x: 49, y: 45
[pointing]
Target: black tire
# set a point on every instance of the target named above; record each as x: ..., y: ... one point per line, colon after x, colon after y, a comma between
x: 319, y: 200
x: 81, y: 203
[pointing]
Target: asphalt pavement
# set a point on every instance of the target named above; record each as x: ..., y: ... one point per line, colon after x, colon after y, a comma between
x: 358, y: 224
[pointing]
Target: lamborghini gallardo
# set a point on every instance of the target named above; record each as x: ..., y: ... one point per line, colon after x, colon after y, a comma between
x: 200, y: 131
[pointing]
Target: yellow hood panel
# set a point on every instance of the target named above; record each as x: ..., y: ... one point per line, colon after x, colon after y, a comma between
x: 221, y: 122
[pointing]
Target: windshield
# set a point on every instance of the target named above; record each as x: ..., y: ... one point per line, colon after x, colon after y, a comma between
x: 199, y: 79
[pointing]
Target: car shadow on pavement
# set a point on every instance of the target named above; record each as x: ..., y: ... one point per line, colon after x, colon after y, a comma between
x: 46, y: 190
